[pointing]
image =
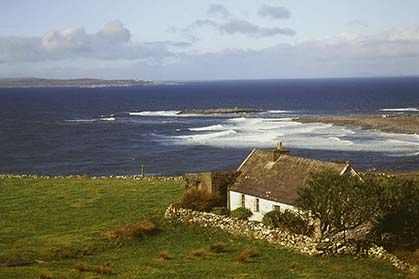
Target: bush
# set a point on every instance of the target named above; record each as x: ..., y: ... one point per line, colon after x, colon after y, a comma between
x: 241, y: 213
x: 132, y: 231
x: 199, y: 200
x: 287, y: 220
x: 272, y: 219
x: 220, y: 211
x: 295, y: 224
x: 246, y: 254
x: 218, y: 247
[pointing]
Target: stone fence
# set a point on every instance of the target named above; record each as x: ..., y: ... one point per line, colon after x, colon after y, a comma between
x: 257, y: 230
x: 124, y: 177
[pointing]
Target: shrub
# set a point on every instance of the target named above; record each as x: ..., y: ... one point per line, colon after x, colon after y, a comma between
x: 104, y: 268
x: 272, y: 219
x: 218, y: 247
x: 241, y: 213
x: 164, y: 255
x: 199, y: 200
x: 220, y: 211
x: 198, y: 254
x: 295, y: 224
x: 246, y: 254
x: 132, y: 231
x: 80, y: 267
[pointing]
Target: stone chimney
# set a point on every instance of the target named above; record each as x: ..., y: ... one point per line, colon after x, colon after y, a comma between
x: 276, y: 153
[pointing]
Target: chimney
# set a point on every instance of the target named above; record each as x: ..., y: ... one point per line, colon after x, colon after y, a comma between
x: 276, y: 153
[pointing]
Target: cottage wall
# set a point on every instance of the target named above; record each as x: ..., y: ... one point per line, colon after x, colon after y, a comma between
x: 265, y: 206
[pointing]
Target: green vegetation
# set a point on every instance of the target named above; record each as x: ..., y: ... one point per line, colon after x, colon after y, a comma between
x: 241, y: 213
x: 62, y: 223
x: 390, y: 204
x: 287, y: 220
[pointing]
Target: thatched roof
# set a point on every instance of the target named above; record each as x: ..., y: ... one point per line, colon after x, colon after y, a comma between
x: 279, y: 180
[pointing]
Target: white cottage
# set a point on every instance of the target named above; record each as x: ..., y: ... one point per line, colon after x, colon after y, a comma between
x: 269, y: 180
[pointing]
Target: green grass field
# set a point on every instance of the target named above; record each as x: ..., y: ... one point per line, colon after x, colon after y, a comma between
x: 40, y: 216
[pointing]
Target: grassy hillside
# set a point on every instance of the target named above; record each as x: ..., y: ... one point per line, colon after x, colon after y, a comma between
x: 60, y: 223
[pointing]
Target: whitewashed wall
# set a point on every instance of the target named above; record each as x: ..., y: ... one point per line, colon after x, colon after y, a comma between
x: 264, y: 205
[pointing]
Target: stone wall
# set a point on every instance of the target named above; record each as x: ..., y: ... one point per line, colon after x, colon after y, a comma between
x: 124, y: 177
x: 257, y: 230
x: 252, y: 229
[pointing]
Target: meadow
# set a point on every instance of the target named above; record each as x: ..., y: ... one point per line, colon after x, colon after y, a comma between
x: 58, y: 226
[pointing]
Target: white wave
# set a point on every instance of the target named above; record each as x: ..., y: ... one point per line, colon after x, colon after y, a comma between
x: 208, y: 128
x: 107, y: 118
x: 279, y: 111
x: 261, y: 132
x: 399, y: 109
x: 81, y: 120
x: 165, y: 113
x: 209, y: 136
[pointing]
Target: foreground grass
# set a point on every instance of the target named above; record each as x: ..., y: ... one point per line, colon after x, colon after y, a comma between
x: 60, y: 223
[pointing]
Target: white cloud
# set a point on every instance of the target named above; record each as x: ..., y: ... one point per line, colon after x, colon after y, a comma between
x: 112, y: 42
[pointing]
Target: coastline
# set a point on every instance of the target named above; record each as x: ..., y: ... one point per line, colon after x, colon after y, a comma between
x: 403, y: 124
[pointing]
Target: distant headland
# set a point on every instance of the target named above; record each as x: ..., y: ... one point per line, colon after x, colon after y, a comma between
x: 81, y: 82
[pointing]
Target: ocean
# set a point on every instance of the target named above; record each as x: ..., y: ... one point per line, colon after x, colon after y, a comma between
x: 112, y: 131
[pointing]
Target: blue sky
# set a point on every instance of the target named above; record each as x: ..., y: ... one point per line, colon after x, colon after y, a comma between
x: 190, y: 40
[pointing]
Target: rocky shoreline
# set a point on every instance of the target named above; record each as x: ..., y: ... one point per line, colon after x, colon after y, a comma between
x: 404, y: 124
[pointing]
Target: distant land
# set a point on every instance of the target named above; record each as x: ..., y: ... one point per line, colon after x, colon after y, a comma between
x: 81, y: 82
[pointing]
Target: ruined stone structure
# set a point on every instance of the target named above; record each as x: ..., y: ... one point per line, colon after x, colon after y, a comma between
x: 212, y: 182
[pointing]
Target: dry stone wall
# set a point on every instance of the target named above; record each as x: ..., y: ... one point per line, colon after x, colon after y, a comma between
x: 257, y: 230
x: 124, y: 177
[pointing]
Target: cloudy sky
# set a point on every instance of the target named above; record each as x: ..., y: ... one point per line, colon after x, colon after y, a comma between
x: 205, y: 40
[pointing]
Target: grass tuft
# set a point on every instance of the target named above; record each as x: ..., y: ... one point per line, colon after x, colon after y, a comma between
x: 218, y: 247
x: 80, y: 267
x: 104, y: 269
x: 45, y: 275
x: 197, y: 254
x: 246, y: 254
x: 133, y: 231
x: 165, y: 255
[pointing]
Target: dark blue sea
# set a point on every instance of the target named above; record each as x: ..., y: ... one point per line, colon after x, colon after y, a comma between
x: 112, y: 131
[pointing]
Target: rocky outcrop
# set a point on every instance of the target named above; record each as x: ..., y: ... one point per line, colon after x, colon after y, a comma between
x: 220, y: 111
x: 300, y: 243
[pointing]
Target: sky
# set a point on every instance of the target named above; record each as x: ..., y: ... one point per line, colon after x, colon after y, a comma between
x: 208, y: 40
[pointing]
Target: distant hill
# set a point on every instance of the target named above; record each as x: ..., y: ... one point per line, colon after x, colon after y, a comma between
x: 82, y: 82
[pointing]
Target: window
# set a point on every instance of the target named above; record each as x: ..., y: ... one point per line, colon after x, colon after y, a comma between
x: 243, y: 201
x: 256, y: 205
x: 276, y: 208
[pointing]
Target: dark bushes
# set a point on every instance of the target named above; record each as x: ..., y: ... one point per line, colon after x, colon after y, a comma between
x: 287, y: 220
x: 199, y: 200
x: 241, y: 213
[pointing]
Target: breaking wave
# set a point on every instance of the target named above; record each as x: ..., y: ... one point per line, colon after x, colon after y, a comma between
x: 400, y: 109
x: 208, y: 128
x: 250, y: 132
x: 165, y: 113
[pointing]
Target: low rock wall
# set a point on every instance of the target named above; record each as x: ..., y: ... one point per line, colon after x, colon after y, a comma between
x: 253, y: 229
x: 257, y: 230
x: 124, y: 177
